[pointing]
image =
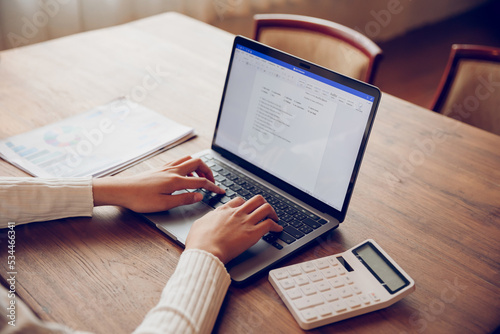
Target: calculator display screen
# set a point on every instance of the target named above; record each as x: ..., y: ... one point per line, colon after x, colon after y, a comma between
x: 383, y: 270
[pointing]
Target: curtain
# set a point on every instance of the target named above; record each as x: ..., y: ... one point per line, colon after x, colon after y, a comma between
x: 24, y: 22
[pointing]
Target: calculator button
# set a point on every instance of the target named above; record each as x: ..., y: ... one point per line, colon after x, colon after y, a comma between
x: 315, y: 276
x: 356, y: 289
x: 336, y: 282
x: 323, y: 310
x: 309, y: 314
x: 374, y: 296
x: 345, y: 292
x: 294, y: 271
x: 331, y: 296
x: 365, y: 299
x: 287, y: 284
x: 321, y: 264
x: 301, y: 280
x: 339, y: 306
x: 354, y: 302
x: 329, y: 273
x: 308, y: 267
x: 322, y: 286
x: 348, y: 280
x: 333, y: 261
x: 308, y: 301
x: 281, y: 274
x: 340, y: 270
x: 294, y: 293
x: 308, y: 290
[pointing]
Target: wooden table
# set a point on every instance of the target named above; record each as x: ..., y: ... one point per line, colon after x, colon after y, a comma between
x: 428, y: 193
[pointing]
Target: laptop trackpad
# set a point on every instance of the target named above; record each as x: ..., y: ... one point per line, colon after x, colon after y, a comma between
x: 177, y: 222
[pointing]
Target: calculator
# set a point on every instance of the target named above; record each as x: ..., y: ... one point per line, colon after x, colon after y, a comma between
x: 336, y: 287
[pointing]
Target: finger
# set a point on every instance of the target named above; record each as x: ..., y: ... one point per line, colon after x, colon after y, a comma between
x: 235, y: 202
x: 259, y: 205
x: 178, y: 161
x: 264, y: 211
x: 198, y: 166
x: 184, y: 199
x: 268, y: 225
x: 200, y: 182
x: 253, y: 203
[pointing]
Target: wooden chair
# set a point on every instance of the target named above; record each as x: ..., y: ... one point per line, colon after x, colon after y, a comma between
x: 325, y: 43
x: 470, y: 87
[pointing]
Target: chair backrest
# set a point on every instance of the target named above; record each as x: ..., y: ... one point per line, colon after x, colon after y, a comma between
x: 470, y: 87
x: 325, y: 43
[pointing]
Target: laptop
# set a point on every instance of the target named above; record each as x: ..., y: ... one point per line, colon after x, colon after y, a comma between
x: 291, y: 131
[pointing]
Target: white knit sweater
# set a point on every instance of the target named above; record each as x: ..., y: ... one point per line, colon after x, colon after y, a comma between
x: 189, y: 302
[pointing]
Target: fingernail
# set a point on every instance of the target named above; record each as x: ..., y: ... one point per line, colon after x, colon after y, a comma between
x: 197, y: 197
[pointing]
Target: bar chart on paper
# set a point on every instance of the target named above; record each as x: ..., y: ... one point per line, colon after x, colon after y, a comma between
x: 99, y: 142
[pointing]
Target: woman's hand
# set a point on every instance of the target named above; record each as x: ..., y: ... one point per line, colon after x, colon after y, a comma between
x: 232, y: 228
x: 152, y: 191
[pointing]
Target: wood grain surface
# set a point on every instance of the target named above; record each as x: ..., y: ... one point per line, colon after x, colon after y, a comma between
x: 428, y: 192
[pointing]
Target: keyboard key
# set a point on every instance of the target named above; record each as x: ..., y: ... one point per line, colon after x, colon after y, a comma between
x: 219, y: 178
x: 312, y: 223
x: 235, y: 187
x: 243, y: 192
x: 296, y: 223
x: 300, y: 216
x: 312, y: 216
x: 277, y: 245
x: 270, y: 237
x: 293, y: 232
x: 227, y: 183
x: 216, y: 168
x: 286, y: 237
x: 305, y: 229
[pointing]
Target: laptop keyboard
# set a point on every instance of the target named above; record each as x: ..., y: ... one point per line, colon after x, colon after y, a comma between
x: 296, y: 221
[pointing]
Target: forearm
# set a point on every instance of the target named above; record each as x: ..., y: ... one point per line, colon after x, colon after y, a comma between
x: 24, y: 200
x: 191, y: 300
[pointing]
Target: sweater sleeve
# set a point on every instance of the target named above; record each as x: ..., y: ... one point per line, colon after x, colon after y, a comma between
x: 27, y: 199
x: 191, y: 300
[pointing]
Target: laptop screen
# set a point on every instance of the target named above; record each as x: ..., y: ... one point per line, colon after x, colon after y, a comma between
x: 294, y: 121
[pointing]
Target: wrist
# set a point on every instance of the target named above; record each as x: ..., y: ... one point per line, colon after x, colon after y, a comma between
x: 105, y: 191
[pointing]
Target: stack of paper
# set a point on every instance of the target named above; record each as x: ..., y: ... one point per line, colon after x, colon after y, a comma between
x: 102, y: 141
